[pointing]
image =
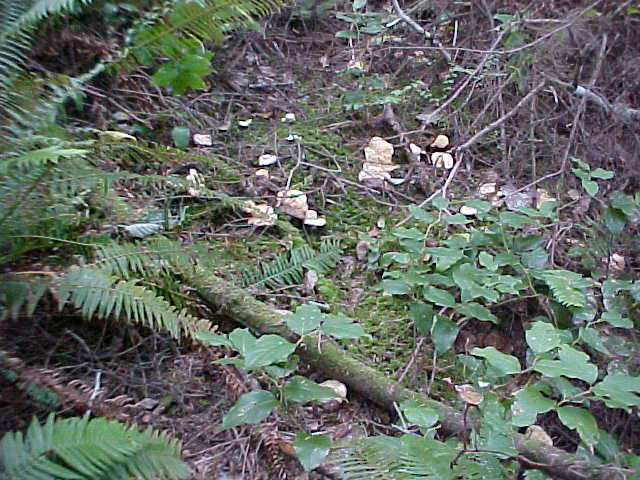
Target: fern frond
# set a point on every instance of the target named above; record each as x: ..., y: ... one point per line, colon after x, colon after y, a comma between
x: 567, y: 287
x: 25, y: 102
x: 123, y: 259
x: 83, y: 448
x: 25, y: 13
x: 288, y: 268
x: 412, y: 457
x: 99, y: 294
x: 40, y: 157
x: 203, y: 19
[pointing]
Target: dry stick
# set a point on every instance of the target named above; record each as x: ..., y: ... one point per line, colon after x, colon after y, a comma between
x: 413, y: 24
x: 554, y: 31
x: 463, y: 85
x: 328, y: 357
x: 443, y: 191
x: 574, y: 124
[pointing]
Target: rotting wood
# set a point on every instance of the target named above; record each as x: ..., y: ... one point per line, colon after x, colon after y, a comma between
x: 332, y: 360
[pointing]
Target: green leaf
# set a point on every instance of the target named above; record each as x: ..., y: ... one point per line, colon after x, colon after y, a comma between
x: 481, y: 206
x: 515, y: 220
x: 302, y: 390
x: 267, y: 350
x: 601, y: 174
x: 503, y: 363
x: 456, y: 219
x: 184, y: 73
x: 622, y: 202
x: 529, y: 402
x: 445, y: 257
x: 311, y: 450
x: 421, y: 214
x: 181, y: 137
x: 572, y: 364
x: 306, y: 319
x: 421, y: 314
x: 536, y: 258
x: 619, y: 390
x: 487, y: 261
x: 543, y: 336
x: 495, y: 426
x: 476, y: 310
x: 243, y: 340
x: 252, y: 407
x: 388, y: 258
x: 410, y: 233
x: 581, y: 420
x: 591, y: 336
x: 416, y: 414
x: 439, y: 202
x: 341, y: 327
x: 581, y: 164
x: 213, y: 339
x: 396, y: 287
x: 467, y: 278
x: 614, y: 220
x: 616, y: 319
x: 590, y: 187
x: 358, y: 4
x: 443, y: 334
x: 439, y: 297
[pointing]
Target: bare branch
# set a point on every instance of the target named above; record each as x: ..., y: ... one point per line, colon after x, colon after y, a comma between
x: 413, y: 24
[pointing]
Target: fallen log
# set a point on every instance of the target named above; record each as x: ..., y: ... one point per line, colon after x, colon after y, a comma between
x: 327, y: 356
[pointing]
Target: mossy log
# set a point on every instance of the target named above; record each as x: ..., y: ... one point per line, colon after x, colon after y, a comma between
x: 329, y: 358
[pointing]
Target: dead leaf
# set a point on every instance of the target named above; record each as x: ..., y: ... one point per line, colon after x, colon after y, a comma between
x: 543, y: 196
x: 117, y: 136
x: 338, y: 387
x: 535, y: 432
x: 617, y: 263
x: 310, y: 280
x: 362, y: 249
x: 469, y: 395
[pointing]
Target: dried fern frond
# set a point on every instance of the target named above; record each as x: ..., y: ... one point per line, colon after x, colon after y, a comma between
x: 84, y: 448
x: 288, y: 268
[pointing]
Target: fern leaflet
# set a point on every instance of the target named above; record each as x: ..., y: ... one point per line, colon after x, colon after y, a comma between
x: 95, y: 292
x: 288, y: 268
x: 83, y: 448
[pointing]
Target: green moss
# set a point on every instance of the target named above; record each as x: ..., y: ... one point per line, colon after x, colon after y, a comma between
x: 329, y: 290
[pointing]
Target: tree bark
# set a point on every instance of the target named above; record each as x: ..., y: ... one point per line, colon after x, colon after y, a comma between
x: 328, y: 357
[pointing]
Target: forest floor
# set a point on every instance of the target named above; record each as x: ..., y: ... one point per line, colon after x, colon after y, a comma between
x: 342, y: 92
